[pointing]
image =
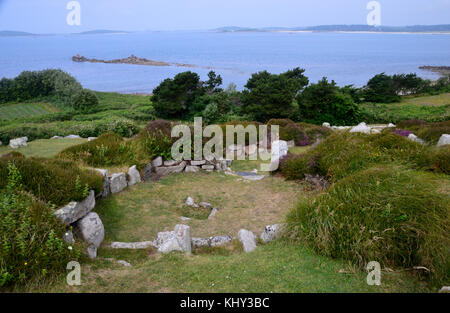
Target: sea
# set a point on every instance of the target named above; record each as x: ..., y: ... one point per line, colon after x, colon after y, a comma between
x: 346, y: 58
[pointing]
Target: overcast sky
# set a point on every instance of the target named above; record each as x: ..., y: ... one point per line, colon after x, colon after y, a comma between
x: 49, y: 16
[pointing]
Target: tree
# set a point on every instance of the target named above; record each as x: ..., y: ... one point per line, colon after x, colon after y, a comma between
x: 173, y: 97
x: 213, y: 82
x: 325, y: 102
x: 272, y: 96
x: 409, y: 84
x: 85, y: 100
x: 381, y: 89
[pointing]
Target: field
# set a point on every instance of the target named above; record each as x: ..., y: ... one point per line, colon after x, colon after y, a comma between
x: 428, y: 108
x: 43, y: 147
x: 26, y: 110
x: 283, y: 266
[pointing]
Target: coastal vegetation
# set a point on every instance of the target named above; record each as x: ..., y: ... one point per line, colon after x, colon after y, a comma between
x: 387, y: 198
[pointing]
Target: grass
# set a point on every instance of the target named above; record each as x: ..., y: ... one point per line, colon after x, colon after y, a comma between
x: 143, y: 210
x: 139, y: 213
x: 428, y: 108
x: 26, y: 110
x: 44, y: 148
x: 276, y: 267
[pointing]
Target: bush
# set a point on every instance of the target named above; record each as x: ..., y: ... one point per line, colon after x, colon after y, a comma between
x: 324, y: 102
x: 272, y: 96
x: 173, y: 97
x: 290, y: 131
x: 295, y: 167
x: 386, y: 214
x: 343, y: 154
x: 108, y: 149
x: 53, y: 181
x: 29, y: 85
x: 381, y: 89
x: 441, y: 159
x: 156, y: 139
x: 85, y: 100
x: 31, y: 245
x: 430, y: 132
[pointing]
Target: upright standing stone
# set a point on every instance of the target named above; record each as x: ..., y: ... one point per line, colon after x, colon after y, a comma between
x: 248, y: 240
x: 444, y: 140
x: 92, y: 231
x: 134, y: 176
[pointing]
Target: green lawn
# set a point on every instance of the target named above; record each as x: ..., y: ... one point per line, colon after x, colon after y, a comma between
x: 45, y: 148
x: 428, y: 108
x: 26, y: 110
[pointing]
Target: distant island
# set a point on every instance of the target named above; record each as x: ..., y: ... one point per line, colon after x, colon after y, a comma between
x: 11, y: 33
x: 130, y: 60
x: 441, y: 70
x: 344, y: 28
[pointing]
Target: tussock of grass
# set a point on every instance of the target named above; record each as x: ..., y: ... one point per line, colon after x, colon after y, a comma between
x: 53, y: 181
x: 387, y: 214
x: 343, y: 154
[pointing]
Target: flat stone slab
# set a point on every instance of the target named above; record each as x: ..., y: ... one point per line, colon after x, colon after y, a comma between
x: 132, y: 245
x: 250, y: 176
x: 76, y: 210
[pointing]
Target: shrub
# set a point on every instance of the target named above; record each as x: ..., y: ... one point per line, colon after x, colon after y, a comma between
x: 381, y: 89
x: 50, y: 180
x: 386, y: 214
x: 31, y: 245
x: 290, y: 131
x: 155, y: 139
x: 430, y: 132
x: 85, y: 100
x: 295, y: 167
x: 272, y: 96
x: 29, y: 85
x: 173, y: 97
x: 108, y: 149
x: 343, y: 154
x: 441, y: 159
x: 324, y: 102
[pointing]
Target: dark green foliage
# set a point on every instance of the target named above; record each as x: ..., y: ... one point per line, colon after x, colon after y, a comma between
x: 85, y: 100
x: 29, y: 85
x: 324, y: 102
x: 395, y: 216
x: 31, y: 244
x: 272, y: 96
x: 213, y: 82
x: 173, y: 97
x: 51, y: 180
x: 406, y: 84
x: 294, y: 167
x: 381, y: 89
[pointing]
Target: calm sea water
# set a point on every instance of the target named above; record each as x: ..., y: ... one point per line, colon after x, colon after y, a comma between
x: 346, y: 58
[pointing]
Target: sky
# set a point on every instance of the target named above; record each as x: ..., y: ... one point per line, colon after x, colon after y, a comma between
x: 50, y: 16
